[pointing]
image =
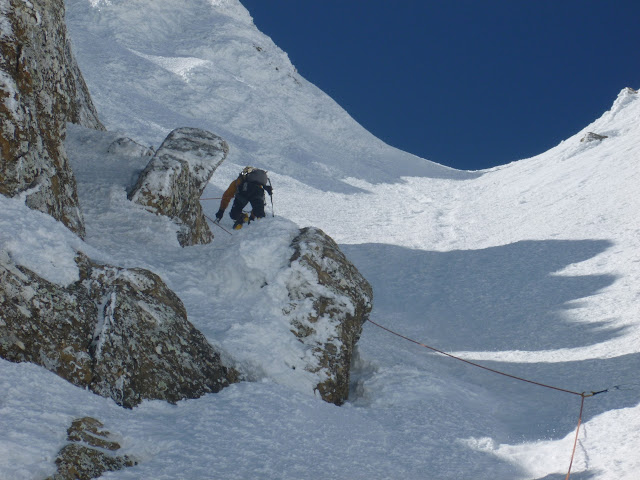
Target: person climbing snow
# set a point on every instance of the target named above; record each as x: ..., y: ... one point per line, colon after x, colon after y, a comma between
x: 249, y: 187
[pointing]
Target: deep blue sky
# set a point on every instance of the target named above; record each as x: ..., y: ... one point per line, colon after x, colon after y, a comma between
x: 465, y: 83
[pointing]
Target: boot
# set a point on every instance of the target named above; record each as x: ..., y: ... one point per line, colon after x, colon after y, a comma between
x: 244, y: 217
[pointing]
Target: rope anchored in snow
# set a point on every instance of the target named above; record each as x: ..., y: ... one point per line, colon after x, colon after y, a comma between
x: 582, y: 395
x: 217, y: 222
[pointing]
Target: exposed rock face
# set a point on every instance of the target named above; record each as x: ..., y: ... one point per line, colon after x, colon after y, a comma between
x: 143, y: 345
x: 119, y: 332
x: 41, y: 88
x: 43, y: 323
x: 175, y: 178
x: 593, y: 137
x: 341, y: 307
x: 90, y: 454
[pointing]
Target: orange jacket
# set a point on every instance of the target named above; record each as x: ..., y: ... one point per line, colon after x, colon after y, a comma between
x: 230, y: 193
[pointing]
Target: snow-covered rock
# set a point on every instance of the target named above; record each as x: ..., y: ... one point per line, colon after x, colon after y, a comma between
x: 143, y: 346
x: 41, y: 88
x: 119, y: 332
x: 90, y: 453
x: 339, y: 298
x: 175, y: 178
x: 44, y: 323
x: 593, y: 137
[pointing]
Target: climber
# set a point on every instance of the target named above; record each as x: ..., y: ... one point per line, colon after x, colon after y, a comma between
x: 249, y: 187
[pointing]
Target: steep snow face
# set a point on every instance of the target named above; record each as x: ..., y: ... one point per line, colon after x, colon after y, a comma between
x: 577, y: 201
x: 531, y: 267
x: 164, y: 66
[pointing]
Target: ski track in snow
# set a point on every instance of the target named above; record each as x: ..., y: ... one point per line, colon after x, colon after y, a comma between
x: 531, y: 268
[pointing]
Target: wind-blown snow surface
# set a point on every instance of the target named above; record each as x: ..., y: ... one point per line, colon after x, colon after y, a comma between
x: 532, y: 268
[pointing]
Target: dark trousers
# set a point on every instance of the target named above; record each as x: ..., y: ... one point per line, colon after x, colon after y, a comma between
x: 253, y: 194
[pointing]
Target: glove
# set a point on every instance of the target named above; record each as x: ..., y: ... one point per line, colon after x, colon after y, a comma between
x: 219, y: 214
x: 269, y: 189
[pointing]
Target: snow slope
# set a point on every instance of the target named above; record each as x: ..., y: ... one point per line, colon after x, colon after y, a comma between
x: 531, y: 268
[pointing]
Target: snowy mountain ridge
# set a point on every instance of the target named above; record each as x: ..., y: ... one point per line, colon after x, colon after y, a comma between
x: 208, y: 66
x: 530, y: 267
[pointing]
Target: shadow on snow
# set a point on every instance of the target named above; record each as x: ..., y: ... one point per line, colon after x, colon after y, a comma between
x: 500, y: 298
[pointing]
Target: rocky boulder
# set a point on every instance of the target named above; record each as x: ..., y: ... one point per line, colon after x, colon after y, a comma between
x: 92, y: 452
x: 173, y: 181
x: 143, y: 346
x: 341, y: 302
x: 122, y: 333
x: 41, y: 88
x: 42, y: 323
x: 592, y: 137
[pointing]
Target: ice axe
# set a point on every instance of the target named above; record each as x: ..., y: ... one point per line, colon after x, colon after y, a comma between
x: 271, y: 197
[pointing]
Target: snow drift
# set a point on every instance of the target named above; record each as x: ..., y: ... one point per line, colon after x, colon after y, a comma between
x: 530, y: 267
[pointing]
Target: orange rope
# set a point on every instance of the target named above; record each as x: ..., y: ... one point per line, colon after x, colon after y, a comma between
x: 582, y: 395
x: 575, y: 442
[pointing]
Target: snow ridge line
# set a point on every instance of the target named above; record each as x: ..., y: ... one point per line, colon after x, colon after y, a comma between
x: 582, y: 395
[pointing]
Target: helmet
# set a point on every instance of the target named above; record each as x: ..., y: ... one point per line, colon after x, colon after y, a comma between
x: 246, y: 171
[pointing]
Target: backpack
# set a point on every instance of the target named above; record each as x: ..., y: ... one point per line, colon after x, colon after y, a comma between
x: 255, y: 175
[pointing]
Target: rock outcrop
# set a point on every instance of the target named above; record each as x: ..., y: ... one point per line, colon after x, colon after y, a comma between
x: 46, y: 324
x: 92, y: 452
x: 41, y: 88
x: 593, y: 137
x: 173, y: 181
x: 122, y: 333
x: 341, y: 302
x: 143, y: 346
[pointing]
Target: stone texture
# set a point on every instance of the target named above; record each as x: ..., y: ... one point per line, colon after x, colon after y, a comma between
x: 90, y: 431
x: 593, y: 137
x: 91, y: 453
x: 143, y: 346
x: 122, y: 333
x: 173, y: 181
x: 41, y: 88
x: 342, y: 308
x: 42, y: 323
